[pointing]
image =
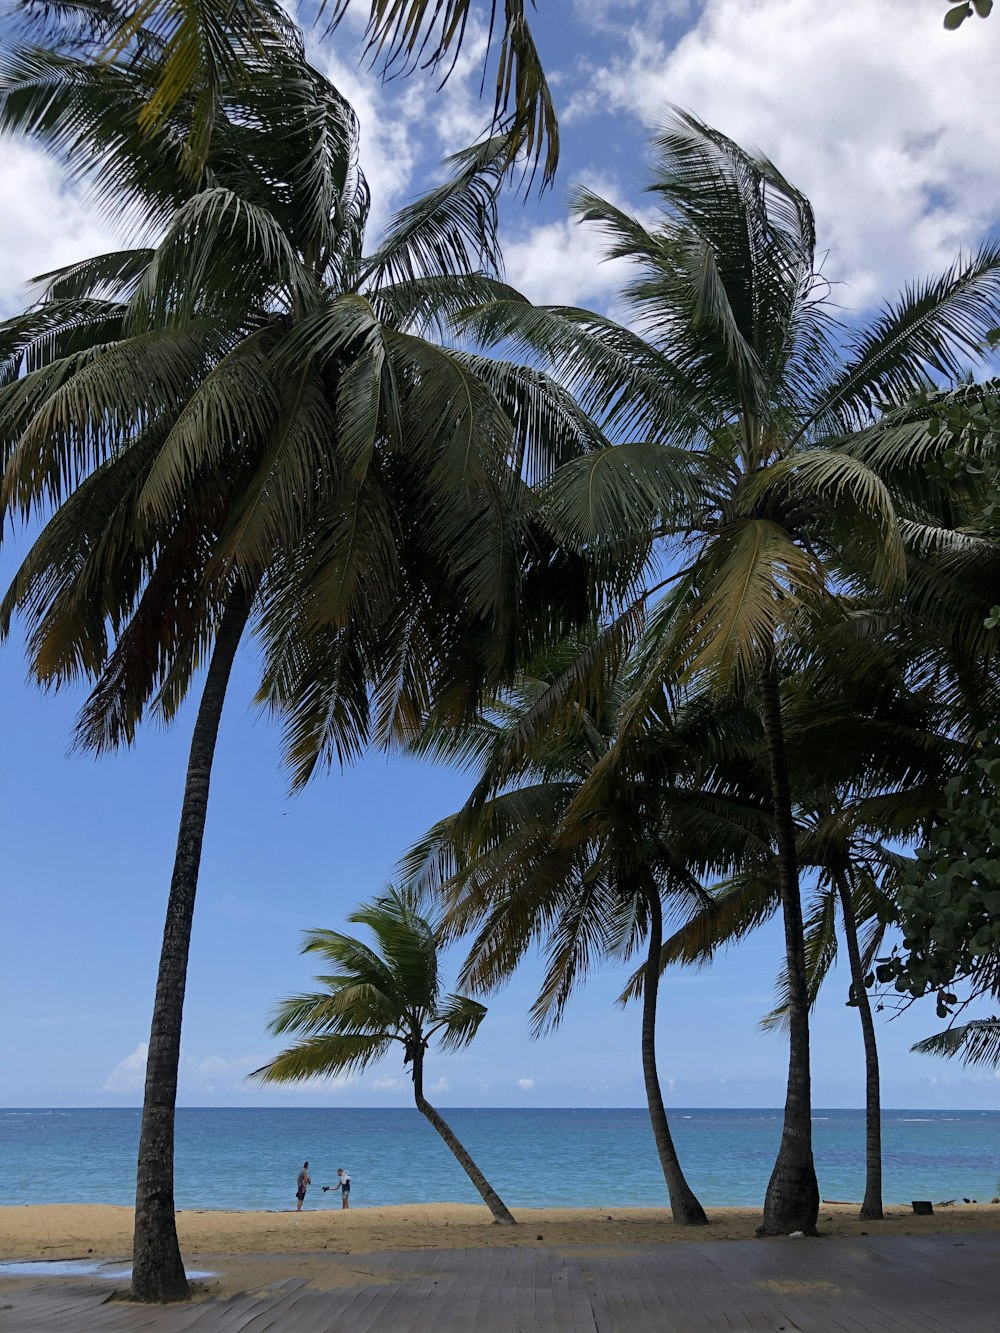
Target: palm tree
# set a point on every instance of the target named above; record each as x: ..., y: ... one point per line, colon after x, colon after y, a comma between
x: 373, y: 997
x: 848, y: 871
x: 204, y: 48
x: 241, y: 425
x: 868, y: 762
x: 756, y: 446
x: 535, y: 865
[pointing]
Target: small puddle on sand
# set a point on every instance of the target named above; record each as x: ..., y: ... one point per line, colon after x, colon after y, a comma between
x: 73, y: 1268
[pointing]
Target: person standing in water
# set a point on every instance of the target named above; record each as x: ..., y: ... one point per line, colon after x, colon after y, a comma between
x: 302, y: 1182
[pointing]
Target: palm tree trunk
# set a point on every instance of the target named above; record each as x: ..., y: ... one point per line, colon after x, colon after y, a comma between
x: 157, y: 1267
x: 684, y: 1204
x: 871, y: 1206
x: 490, y: 1197
x: 792, y: 1199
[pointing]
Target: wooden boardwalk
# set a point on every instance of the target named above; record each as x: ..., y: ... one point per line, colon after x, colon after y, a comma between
x: 904, y: 1284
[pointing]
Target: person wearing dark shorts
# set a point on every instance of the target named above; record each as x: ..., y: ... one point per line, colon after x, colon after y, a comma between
x: 302, y: 1182
x: 344, y: 1185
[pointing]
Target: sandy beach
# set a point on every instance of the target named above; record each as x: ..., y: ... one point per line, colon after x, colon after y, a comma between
x: 245, y: 1249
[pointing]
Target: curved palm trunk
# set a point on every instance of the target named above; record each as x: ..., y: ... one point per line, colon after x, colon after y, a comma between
x: 871, y: 1206
x: 792, y: 1199
x: 157, y: 1267
x: 490, y: 1197
x: 684, y: 1204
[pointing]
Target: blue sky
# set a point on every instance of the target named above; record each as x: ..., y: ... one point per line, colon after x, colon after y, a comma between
x: 893, y: 129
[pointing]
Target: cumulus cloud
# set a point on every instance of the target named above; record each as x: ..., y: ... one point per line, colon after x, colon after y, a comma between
x: 45, y: 222
x: 889, y: 124
x: 442, y: 1085
x: 561, y: 263
x: 128, y: 1074
x: 210, y: 1074
x: 525, y: 1084
x: 386, y: 1083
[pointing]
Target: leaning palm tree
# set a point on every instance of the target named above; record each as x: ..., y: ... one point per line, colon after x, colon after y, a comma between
x: 757, y: 448
x: 374, y: 998
x: 535, y: 866
x: 240, y: 425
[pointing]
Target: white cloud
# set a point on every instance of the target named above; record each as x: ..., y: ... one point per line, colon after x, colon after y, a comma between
x: 562, y: 263
x: 212, y: 1075
x: 442, y: 1085
x: 45, y: 222
x: 525, y: 1084
x: 889, y: 124
x: 129, y: 1074
x: 388, y: 1084
x: 606, y: 15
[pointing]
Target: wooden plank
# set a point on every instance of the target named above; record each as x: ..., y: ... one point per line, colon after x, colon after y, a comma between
x: 879, y: 1284
x: 796, y: 1281
x: 356, y: 1313
x: 278, y: 1311
x: 547, y: 1272
x: 563, y: 1313
x: 585, y: 1316
x: 503, y: 1309
x: 441, y: 1266
x: 524, y: 1307
x: 472, y: 1310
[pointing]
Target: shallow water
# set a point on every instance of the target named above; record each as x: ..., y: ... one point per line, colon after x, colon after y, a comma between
x: 75, y: 1268
x: 247, y: 1158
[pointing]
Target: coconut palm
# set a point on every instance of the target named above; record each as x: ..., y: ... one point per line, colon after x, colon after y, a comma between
x: 756, y: 445
x: 373, y: 997
x: 240, y: 424
x: 586, y: 880
x: 868, y: 764
x: 207, y: 46
x: 847, y: 873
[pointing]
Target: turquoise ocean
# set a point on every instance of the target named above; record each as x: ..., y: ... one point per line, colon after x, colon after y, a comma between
x: 247, y: 1158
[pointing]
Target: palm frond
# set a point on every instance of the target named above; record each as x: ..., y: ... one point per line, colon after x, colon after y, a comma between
x: 450, y: 231
x: 851, y: 495
x: 406, y: 33
x: 974, y: 1043
x: 204, y: 44
x: 820, y: 929
x: 933, y: 333
x: 325, y: 1055
x: 457, y: 1019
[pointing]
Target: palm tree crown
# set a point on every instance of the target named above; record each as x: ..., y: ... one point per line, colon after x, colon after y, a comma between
x: 239, y: 423
x: 755, y: 442
x: 372, y: 997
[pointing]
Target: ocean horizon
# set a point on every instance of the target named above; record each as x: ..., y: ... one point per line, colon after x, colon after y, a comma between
x: 246, y: 1158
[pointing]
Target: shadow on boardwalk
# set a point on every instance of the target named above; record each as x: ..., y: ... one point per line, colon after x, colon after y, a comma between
x: 904, y: 1284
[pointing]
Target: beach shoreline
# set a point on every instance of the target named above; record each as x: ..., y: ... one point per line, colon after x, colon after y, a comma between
x: 104, y: 1231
